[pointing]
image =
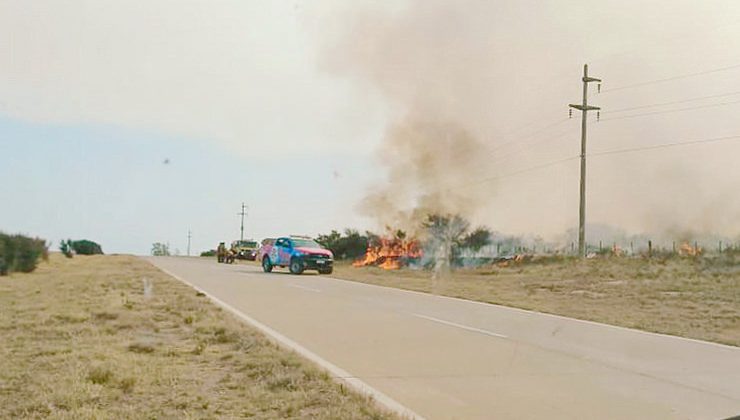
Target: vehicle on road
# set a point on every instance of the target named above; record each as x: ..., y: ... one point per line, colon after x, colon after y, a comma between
x: 298, y: 253
x: 245, y: 249
x: 221, y: 252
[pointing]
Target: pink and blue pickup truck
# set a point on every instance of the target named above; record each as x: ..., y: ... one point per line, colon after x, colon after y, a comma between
x: 297, y: 253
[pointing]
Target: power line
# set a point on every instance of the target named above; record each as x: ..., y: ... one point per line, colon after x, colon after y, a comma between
x: 531, y: 143
x: 698, y: 98
x: 462, y: 153
x: 518, y: 172
x: 665, y: 145
x: 668, y: 79
x: 671, y: 111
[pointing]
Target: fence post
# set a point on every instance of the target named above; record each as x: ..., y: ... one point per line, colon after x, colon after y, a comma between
x: 650, y: 248
x: 720, y: 247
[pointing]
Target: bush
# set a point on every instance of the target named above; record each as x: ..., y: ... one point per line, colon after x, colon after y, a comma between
x: 350, y: 246
x: 20, y: 253
x: 86, y: 247
x: 209, y: 253
x: 66, y: 248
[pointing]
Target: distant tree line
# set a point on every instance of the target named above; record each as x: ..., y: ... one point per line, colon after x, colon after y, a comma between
x: 19, y: 253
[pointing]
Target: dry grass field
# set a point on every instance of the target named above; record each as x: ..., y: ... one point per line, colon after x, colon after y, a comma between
x: 84, y: 338
x: 689, y: 297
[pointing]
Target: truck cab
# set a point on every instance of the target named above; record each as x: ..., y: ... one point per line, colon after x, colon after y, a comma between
x: 298, y: 253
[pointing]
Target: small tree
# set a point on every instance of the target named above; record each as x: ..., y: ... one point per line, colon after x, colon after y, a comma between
x: 66, y: 248
x: 160, y: 250
x: 86, y: 247
x: 476, y: 239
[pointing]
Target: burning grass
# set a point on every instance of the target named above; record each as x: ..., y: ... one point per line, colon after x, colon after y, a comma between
x: 86, y: 338
x: 391, y: 253
x: 689, y: 296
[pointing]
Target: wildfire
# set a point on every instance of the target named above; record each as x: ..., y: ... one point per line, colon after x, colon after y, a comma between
x: 688, y: 250
x: 390, y: 253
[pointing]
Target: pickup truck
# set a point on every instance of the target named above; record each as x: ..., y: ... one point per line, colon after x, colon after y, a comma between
x: 296, y: 253
x: 245, y: 249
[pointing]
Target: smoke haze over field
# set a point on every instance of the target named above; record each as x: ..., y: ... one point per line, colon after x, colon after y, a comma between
x: 471, y: 88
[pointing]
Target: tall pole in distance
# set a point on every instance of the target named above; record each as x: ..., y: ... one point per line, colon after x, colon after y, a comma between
x: 584, y: 108
x: 243, y: 212
x: 189, y: 236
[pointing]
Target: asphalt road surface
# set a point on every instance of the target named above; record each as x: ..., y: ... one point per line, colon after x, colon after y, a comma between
x: 447, y: 358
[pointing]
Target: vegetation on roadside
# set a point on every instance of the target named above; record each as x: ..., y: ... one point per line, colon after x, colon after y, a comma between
x: 114, y: 337
x: 81, y: 247
x: 347, y: 246
x: 20, y: 253
x: 697, y: 297
x: 160, y: 249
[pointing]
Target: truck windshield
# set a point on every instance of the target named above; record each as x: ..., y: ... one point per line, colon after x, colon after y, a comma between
x: 305, y: 243
x: 248, y: 244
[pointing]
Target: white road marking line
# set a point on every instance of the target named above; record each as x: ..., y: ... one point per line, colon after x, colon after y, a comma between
x: 311, y: 289
x: 337, y: 372
x: 464, y: 327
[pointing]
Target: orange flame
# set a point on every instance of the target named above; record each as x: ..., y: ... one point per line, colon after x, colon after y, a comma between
x: 390, y: 253
x: 688, y: 250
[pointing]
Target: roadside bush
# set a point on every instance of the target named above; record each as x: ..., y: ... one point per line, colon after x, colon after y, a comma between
x: 86, y: 247
x: 209, y: 253
x: 351, y: 245
x: 20, y: 253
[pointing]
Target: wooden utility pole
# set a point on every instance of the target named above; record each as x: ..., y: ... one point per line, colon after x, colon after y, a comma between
x: 584, y: 108
x: 242, y: 214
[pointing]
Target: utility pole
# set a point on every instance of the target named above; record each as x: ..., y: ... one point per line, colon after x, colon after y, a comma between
x: 189, y: 236
x: 242, y: 214
x: 584, y: 108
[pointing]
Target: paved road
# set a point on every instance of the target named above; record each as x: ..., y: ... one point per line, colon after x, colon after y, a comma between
x: 446, y: 358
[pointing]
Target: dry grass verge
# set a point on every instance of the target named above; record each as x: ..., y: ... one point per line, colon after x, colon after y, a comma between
x: 84, y: 338
x: 689, y: 297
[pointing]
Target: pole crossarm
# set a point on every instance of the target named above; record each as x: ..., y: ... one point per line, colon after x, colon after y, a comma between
x: 584, y: 107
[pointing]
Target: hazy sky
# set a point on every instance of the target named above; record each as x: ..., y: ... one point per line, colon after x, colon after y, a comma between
x: 294, y: 107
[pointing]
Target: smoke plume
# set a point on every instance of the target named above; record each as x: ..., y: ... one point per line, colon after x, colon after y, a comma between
x: 469, y: 87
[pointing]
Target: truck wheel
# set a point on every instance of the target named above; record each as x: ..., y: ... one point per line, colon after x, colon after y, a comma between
x: 296, y: 266
x: 326, y: 271
x: 266, y: 264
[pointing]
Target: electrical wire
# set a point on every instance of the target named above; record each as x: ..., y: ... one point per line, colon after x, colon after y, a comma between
x: 518, y: 172
x: 663, y: 146
x: 670, y: 111
x: 698, y: 98
x: 668, y: 79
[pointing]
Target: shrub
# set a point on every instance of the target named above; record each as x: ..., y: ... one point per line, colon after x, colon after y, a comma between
x: 86, y: 247
x: 351, y: 245
x: 209, y: 253
x: 66, y: 248
x: 20, y: 253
